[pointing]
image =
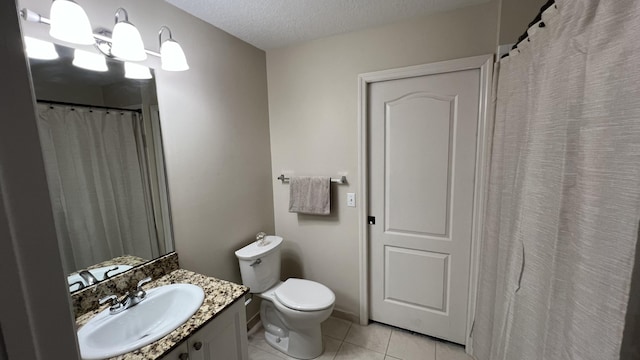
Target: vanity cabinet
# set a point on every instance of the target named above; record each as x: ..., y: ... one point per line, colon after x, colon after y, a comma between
x: 224, y: 338
x: 179, y: 353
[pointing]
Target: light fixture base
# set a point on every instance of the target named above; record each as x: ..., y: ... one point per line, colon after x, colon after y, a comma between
x: 103, y: 42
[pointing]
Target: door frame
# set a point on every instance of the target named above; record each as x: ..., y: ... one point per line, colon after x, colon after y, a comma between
x: 483, y: 150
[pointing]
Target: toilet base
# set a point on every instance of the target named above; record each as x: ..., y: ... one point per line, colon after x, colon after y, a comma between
x: 305, y: 343
x: 279, y: 343
x: 305, y: 346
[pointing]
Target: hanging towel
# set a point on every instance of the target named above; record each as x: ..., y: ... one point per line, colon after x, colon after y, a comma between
x: 310, y: 195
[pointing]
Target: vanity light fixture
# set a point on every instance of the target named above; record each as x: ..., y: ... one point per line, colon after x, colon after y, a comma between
x: 126, y: 42
x: 136, y: 71
x: 171, y: 53
x: 90, y: 61
x: 69, y: 22
x: 39, y: 49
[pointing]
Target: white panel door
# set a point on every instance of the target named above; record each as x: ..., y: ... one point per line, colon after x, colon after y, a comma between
x: 422, y: 155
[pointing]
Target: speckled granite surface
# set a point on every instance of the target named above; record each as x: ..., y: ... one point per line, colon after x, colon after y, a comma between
x: 120, y: 260
x: 218, y: 295
x: 130, y: 260
x: 87, y: 298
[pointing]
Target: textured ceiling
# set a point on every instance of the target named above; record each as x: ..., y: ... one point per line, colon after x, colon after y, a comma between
x: 269, y: 24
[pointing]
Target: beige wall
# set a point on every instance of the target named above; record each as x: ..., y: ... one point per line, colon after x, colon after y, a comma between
x: 313, y: 122
x: 215, y: 132
x: 515, y: 16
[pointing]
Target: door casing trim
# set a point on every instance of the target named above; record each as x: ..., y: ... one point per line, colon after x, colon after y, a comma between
x: 483, y: 151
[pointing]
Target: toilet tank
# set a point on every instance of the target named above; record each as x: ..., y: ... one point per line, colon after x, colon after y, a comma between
x: 260, y: 264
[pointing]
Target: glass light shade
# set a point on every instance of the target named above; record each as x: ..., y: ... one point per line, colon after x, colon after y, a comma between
x: 136, y: 71
x: 90, y: 61
x: 127, y: 42
x: 172, y: 56
x: 39, y: 49
x: 70, y: 23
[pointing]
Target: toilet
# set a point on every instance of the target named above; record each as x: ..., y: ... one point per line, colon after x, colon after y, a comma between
x: 291, y: 311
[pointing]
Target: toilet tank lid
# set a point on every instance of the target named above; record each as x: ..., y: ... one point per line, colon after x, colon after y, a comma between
x: 254, y: 251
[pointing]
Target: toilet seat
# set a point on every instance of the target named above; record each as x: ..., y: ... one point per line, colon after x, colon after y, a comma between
x: 304, y: 295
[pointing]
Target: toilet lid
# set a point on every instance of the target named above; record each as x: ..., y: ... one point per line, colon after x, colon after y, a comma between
x: 304, y: 295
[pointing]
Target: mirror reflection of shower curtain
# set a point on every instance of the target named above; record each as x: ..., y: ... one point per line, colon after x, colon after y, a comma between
x: 97, y: 183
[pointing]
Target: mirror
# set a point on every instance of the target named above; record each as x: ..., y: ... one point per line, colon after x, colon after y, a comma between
x: 102, y: 148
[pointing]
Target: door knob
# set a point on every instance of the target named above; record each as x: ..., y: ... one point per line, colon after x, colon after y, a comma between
x: 197, y: 345
x: 183, y: 356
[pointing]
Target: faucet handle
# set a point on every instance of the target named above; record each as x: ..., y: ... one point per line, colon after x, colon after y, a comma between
x: 79, y: 283
x: 112, y: 298
x: 115, y: 304
x: 140, y: 294
x: 142, y: 282
x: 107, y: 275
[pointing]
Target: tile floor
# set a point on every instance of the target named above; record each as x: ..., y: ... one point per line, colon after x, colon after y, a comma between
x: 344, y: 340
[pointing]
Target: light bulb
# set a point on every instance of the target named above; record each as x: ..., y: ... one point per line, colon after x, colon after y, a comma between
x: 70, y: 23
x: 172, y: 56
x: 126, y: 42
x: 39, y: 49
x: 90, y: 61
x: 136, y: 71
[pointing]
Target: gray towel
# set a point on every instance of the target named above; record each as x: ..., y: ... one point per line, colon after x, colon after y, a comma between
x: 310, y: 195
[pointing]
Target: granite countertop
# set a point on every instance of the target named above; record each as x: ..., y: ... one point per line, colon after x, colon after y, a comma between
x: 120, y: 260
x: 130, y: 260
x: 218, y: 295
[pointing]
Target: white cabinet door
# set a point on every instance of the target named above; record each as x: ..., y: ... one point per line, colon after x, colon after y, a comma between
x: 422, y: 164
x: 224, y: 338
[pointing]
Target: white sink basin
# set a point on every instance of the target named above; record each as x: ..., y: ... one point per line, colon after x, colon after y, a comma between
x: 164, y: 309
x: 99, y: 273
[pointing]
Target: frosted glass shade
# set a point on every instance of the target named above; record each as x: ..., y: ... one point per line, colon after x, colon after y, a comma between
x: 39, y: 49
x: 90, y: 61
x: 136, y: 71
x: 70, y: 23
x: 127, y: 43
x: 172, y: 56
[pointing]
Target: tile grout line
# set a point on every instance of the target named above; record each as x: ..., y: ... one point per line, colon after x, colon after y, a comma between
x: 343, y: 340
x: 338, y: 351
x: 435, y: 350
x: 386, y: 349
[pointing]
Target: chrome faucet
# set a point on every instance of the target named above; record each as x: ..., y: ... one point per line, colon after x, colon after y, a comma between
x: 88, y: 277
x: 128, y: 301
x: 139, y: 294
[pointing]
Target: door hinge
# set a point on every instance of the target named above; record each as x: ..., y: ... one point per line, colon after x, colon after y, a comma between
x: 371, y: 220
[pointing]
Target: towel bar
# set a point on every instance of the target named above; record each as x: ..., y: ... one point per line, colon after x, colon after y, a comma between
x: 342, y: 180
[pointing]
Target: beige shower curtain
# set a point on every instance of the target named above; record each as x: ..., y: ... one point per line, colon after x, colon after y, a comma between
x: 564, y: 189
x: 97, y: 183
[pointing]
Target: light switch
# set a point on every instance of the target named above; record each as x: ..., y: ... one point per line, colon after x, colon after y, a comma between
x: 351, y: 199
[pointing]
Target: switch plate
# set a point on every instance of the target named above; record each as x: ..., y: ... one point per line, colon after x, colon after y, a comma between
x: 351, y: 199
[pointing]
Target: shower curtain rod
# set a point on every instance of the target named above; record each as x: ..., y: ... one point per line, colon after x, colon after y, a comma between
x: 139, y: 111
x: 537, y: 19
